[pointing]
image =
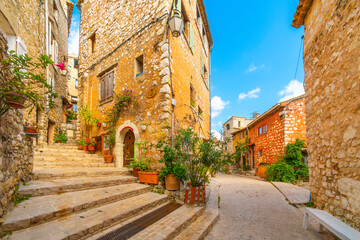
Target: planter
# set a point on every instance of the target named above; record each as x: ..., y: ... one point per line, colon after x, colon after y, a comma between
x: 85, y: 148
x: 149, y: 177
x: 261, y: 170
x: 108, y: 158
x: 31, y: 130
x: 195, y: 194
x: 80, y: 147
x: 14, y: 99
x: 172, y: 183
x: 99, y: 124
x: 58, y: 141
x: 105, y: 152
x: 91, y: 148
x: 136, y: 172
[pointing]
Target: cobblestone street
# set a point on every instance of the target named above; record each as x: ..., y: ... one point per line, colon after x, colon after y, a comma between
x: 254, y: 209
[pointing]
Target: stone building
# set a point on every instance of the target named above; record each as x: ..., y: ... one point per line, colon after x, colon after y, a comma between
x: 232, y: 125
x: 332, y: 86
x: 128, y: 45
x: 273, y: 130
x: 242, y: 136
x: 41, y: 27
x: 72, y: 81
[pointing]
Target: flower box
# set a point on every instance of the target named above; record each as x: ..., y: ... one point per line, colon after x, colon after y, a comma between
x: 149, y: 177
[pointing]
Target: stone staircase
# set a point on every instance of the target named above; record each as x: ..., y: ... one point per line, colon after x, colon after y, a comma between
x: 88, y: 201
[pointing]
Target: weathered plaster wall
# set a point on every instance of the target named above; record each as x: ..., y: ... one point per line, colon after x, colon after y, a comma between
x: 332, y: 73
x: 16, y: 153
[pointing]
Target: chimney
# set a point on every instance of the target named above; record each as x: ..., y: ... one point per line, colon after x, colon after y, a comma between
x: 256, y: 115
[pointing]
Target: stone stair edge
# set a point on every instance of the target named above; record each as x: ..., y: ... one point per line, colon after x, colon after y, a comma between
x: 83, y: 224
x: 15, y: 222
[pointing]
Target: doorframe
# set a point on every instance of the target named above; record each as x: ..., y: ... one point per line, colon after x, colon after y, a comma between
x: 119, y: 147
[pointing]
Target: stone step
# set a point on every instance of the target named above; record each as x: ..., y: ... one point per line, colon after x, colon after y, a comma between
x: 67, y: 154
x: 170, y: 226
x: 41, y: 209
x: 83, y: 224
x: 68, y: 159
x: 56, y: 186
x: 56, y: 173
x: 71, y: 164
x: 62, y: 146
x: 198, y: 229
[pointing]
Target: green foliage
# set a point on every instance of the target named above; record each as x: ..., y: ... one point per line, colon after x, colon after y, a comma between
x: 143, y: 164
x: 25, y: 82
x: 19, y: 199
x: 293, y: 156
x: 241, y: 151
x: 280, y: 171
x: 4, y: 234
x: 112, y: 115
x: 157, y: 189
x: 61, y: 137
x: 246, y: 168
x: 86, y: 114
x: 308, y: 204
x: 71, y: 115
x: 82, y: 142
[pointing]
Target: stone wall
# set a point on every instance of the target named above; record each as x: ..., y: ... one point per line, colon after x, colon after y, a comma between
x: 295, y: 121
x: 235, y: 123
x: 16, y: 152
x: 170, y: 67
x: 332, y: 73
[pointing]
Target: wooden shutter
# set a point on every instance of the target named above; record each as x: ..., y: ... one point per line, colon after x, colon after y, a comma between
x: 102, y: 88
x: 110, y: 84
x: 202, y: 67
x: 56, y: 52
x: 191, y: 38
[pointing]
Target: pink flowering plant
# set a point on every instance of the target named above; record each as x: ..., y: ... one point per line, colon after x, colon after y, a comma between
x: 122, y: 100
x: 90, y: 142
x: 22, y: 77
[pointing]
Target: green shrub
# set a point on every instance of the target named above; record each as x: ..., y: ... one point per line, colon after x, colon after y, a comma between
x: 280, y: 171
x: 293, y: 157
x: 61, y: 137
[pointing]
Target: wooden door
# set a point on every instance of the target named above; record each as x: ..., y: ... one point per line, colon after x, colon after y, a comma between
x: 129, y: 147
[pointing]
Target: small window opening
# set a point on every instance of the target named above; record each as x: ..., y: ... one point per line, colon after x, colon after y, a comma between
x: 192, y: 96
x: 228, y: 126
x: 260, y: 153
x: 200, y: 112
x: 139, y: 65
x: 92, y: 42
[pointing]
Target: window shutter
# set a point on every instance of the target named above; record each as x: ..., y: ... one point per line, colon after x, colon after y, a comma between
x: 202, y: 66
x: 20, y: 47
x: 56, y: 52
x: 49, y: 39
x: 208, y: 83
x: 191, y: 38
x: 111, y: 84
x: 102, y: 88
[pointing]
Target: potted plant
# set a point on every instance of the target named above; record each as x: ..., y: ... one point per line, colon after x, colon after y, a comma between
x: 110, y: 141
x: 173, y: 171
x: 31, y: 128
x: 136, y: 167
x: 145, y: 173
x: 81, y: 144
x: 60, y: 138
x: 91, y: 143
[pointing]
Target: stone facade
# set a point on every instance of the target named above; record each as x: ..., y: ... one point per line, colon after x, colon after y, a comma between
x: 16, y: 153
x: 171, y: 68
x: 24, y: 25
x: 332, y: 73
x: 231, y: 126
x: 272, y: 131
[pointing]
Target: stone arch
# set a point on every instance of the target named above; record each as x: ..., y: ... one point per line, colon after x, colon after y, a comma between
x: 120, y: 134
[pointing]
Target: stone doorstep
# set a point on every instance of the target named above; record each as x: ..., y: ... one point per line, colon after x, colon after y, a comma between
x: 59, y: 146
x: 67, y: 155
x: 170, y: 226
x: 58, y: 173
x: 41, y: 209
x: 70, y: 160
x: 48, y: 187
x: 71, y: 164
x: 84, y: 224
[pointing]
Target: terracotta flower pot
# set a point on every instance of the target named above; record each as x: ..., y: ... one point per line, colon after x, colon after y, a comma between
x: 105, y: 152
x: 136, y: 172
x: 58, y: 141
x: 261, y: 170
x: 30, y: 130
x: 85, y: 148
x: 91, y: 148
x: 99, y: 124
x: 172, y: 183
x: 14, y: 99
x: 108, y: 158
x: 149, y: 177
x: 80, y: 147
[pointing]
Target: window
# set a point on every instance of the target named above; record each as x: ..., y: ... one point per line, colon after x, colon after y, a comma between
x: 228, y: 126
x: 76, y: 63
x: 188, y: 30
x: 262, y: 129
x: 192, y: 96
x: 260, y: 153
x: 139, y: 65
x: 92, y: 42
x: 259, y: 130
x: 204, y: 71
x: 75, y: 108
x: 107, y: 85
x: 239, y: 124
x: 76, y: 83
x: 200, y: 112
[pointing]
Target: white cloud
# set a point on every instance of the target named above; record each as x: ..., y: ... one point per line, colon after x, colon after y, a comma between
x: 253, y: 68
x: 217, y: 105
x: 216, y: 134
x: 218, y: 124
x: 293, y: 89
x: 73, y: 42
x: 251, y: 94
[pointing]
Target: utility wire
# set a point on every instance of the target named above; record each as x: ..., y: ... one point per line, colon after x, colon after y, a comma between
x: 297, y: 64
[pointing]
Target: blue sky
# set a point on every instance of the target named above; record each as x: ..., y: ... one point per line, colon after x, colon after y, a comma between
x: 253, y: 59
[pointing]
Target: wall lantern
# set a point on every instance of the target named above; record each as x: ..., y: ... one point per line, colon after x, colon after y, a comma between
x: 176, y: 23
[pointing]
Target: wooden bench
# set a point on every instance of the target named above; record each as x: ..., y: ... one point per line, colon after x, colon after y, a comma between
x: 334, y: 225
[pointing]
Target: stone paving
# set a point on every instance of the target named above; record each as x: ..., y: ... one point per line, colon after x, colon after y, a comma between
x: 295, y: 194
x: 253, y: 209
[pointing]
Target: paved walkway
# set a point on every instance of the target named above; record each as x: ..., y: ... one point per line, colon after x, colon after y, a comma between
x: 253, y: 209
x: 295, y: 194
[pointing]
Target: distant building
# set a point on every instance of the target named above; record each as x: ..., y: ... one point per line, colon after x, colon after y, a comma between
x: 273, y: 130
x: 332, y: 86
x: 242, y: 136
x: 232, y: 125
x: 72, y: 82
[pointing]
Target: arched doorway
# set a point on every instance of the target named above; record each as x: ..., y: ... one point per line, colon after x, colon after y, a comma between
x: 128, y: 150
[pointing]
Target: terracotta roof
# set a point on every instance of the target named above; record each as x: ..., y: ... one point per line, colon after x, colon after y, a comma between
x: 301, y: 11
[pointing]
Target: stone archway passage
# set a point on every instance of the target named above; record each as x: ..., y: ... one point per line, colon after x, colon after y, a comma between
x: 129, y: 141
